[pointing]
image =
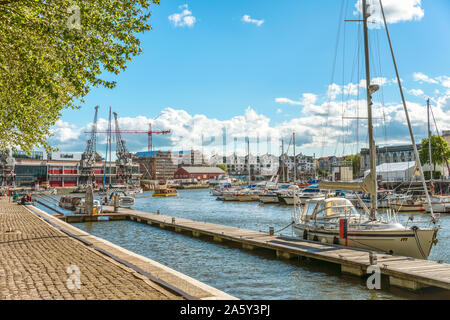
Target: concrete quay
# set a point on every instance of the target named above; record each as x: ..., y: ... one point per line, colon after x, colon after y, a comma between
x: 42, y: 257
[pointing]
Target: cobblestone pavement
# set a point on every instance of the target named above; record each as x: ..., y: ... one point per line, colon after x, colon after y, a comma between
x: 35, y: 257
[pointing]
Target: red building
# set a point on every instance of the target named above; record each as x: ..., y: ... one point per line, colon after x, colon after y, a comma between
x: 199, y: 173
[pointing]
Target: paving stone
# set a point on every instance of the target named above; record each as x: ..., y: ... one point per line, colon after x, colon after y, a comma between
x: 35, y: 256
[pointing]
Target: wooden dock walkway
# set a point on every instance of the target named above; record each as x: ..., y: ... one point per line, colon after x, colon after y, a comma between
x: 405, y: 272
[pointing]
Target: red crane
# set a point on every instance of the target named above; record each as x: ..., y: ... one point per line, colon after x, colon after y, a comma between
x: 149, y: 132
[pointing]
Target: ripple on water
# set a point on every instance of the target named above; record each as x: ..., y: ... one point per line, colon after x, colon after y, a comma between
x: 244, y: 274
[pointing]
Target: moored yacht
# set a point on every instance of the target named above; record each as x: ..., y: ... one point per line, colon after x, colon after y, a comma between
x: 335, y: 220
x: 320, y: 220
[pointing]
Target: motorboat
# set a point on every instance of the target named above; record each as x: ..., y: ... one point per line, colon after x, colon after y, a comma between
x: 269, y: 196
x: 440, y: 204
x: 248, y: 195
x: 80, y: 208
x: 69, y: 202
x: 125, y: 200
x: 165, y: 192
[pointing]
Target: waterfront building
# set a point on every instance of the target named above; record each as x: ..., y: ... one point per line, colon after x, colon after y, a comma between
x: 198, y: 173
x: 264, y: 165
x: 342, y: 170
x: 268, y: 165
x: 155, y: 165
x: 189, y: 158
x: 326, y: 163
x: 60, y: 169
x: 388, y: 154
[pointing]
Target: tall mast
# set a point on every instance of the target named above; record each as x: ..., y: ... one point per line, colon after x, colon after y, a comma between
x: 416, y: 153
x: 370, y: 89
x: 295, y: 159
x: 429, y: 141
x: 248, y: 159
x: 282, y: 161
x: 109, y: 137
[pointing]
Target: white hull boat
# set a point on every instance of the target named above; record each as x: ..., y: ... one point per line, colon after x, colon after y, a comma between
x: 320, y: 221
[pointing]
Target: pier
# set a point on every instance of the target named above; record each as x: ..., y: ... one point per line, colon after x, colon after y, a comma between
x: 41, y: 254
x: 404, y: 272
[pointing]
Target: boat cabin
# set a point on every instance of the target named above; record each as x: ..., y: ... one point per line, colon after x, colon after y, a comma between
x: 321, y: 209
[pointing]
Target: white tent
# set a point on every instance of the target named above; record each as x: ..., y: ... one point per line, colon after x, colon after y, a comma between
x: 395, y: 171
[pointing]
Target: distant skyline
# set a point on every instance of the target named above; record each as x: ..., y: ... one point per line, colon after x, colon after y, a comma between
x: 265, y: 69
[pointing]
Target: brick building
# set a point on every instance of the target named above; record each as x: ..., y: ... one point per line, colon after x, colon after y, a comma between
x: 199, y: 173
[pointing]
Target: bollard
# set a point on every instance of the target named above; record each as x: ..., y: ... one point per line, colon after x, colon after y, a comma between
x: 173, y: 220
x: 373, y: 258
x: 271, y: 231
x: 157, y: 211
x: 116, y: 203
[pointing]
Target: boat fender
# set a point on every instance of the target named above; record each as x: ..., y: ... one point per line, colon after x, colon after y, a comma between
x: 335, y: 240
x: 315, y: 238
x: 305, y: 234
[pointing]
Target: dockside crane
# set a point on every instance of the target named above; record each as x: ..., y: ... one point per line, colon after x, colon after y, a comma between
x: 88, y: 158
x: 124, y: 161
x: 149, y: 133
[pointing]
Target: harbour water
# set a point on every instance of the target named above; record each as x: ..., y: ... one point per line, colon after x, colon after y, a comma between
x: 246, y: 274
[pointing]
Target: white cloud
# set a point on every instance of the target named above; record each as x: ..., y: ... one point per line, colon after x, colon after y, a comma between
x: 246, y: 18
x: 444, y: 81
x: 416, y: 92
x: 288, y: 101
x: 395, y: 11
x: 63, y: 131
x: 309, y: 98
x: 441, y: 80
x: 279, y: 110
x: 419, y: 76
x: 184, y: 18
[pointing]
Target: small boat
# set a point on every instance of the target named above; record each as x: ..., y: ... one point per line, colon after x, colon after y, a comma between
x: 230, y: 195
x: 80, y: 208
x: 165, y: 192
x: 269, y: 197
x: 69, y: 202
x: 248, y: 196
x: 125, y: 200
x: 440, y: 204
x: 407, y: 205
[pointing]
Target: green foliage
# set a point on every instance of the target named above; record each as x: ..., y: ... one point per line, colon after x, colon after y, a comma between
x: 323, y: 173
x: 436, y: 175
x: 436, y: 150
x: 47, y: 64
x: 223, y: 167
x: 356, y: 162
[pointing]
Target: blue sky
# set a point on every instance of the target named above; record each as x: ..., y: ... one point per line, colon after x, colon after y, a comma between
x: 264, y: 68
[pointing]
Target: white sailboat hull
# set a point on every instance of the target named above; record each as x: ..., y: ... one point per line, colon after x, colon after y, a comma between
x: 407, y: 242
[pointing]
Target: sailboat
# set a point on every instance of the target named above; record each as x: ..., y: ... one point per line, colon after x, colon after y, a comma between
x: 335, y: 220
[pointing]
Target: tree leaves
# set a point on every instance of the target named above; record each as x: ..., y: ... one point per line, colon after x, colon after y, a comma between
x: 46, y: 66
x: 437, y: 154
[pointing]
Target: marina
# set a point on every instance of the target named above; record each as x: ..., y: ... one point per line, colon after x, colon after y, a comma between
x: 250, y: 220
x: 260, y: 157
